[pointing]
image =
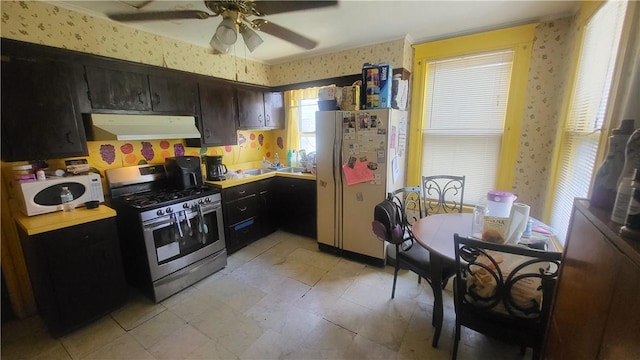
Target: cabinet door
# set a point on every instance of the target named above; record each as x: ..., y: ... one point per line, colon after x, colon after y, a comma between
x: 176, y: 95
x: 267, y: 212
x: 118, y: 90
x: 250, y: 109
x: 40, y: 114
x: 218, y: 114
x: 79, y: 276
x: 583, y: 295
x: 621, y: 334
x: 274, y: 110
x: 297, y: 202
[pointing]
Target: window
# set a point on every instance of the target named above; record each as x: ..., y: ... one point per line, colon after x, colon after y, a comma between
x: 300, y: 111
x: 468, y: 122
x: 466, y: 107
x: 307, y: 126
x: 580, y: 135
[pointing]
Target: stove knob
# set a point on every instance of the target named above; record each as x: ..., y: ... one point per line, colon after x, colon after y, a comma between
x: 207, y: 200
x: 200, y: 201
x: 185, y: 206
x: 160, y: 212
x: 169, y: 210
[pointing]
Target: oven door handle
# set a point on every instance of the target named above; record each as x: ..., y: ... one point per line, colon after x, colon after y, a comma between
x: 158, y: 225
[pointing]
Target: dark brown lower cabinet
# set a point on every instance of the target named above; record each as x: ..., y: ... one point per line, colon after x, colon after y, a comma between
x: 76, y: 274
x: 595, y: 314
x: 297, y: 206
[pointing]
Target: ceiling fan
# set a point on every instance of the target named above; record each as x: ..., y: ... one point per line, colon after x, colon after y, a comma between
x: 236, y: 17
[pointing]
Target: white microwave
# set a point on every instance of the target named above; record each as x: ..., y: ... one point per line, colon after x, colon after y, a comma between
x: 41, y: 197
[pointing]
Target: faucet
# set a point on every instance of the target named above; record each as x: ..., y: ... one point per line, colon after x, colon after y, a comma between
x: 266, y: 163
x: 276, y: 160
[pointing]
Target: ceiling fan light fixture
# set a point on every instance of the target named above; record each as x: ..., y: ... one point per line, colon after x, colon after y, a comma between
x: 226, y: 31
x: 218, y: 46
x: 251, y: 39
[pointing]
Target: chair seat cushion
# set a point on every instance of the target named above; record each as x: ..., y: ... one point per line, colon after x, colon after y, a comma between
x: 418, y: 260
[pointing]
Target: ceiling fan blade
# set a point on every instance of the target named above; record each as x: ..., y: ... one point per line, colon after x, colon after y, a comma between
x: 276, y: 7
x: 160, y: 15
x: 284, y: 33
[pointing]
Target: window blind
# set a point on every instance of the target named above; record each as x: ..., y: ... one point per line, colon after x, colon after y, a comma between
x: 466, y: 102
x: 587, y: 109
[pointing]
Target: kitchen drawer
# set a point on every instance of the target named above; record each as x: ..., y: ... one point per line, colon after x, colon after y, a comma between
x: 239, y: 210
x: 242, y: 234
x: 238, y: 192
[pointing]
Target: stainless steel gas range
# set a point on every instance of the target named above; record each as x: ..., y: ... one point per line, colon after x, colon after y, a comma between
x: 170, y: 238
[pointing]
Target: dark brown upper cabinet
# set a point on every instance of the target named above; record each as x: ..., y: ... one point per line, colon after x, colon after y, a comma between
x: 274, y: 110
x: 250, y: 109
x: 111, y: 89
x: 259, y: 109
x: 41, y: 112
x: 218, y: 114
x: 174, y: 94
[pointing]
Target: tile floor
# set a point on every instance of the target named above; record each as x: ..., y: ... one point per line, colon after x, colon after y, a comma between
x: 278, y: 298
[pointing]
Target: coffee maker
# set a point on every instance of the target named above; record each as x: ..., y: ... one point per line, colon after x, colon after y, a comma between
x: 183, y: 172
x: 215, y: 168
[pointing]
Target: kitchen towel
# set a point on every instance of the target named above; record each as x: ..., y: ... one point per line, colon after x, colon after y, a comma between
x: 519, y: 217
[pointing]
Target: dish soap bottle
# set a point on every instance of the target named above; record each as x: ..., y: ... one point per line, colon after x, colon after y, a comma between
x: 66, y: 197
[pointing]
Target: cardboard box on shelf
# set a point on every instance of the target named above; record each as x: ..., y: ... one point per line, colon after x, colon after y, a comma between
x: 376, y: 83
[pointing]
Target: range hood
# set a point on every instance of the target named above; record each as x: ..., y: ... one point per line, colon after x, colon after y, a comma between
x: 143, y: 127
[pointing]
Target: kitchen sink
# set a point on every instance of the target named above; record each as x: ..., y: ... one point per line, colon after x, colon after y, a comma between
x: 292, y: 170
x: 257, y: 171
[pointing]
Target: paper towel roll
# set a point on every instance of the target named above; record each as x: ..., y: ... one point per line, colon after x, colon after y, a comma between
x: 519, y: 217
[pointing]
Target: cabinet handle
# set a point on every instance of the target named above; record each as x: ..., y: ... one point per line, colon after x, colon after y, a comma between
x: 241, y: 192
x: 207, y: 133
x: 243, y: 208
x: 156, y: 97
x: 268, y: 117
x: 140, y: 97
x: 68, y: 136
x: 260, y: 118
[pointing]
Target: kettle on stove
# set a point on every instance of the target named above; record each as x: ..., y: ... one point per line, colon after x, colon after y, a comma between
x: 216, y: 170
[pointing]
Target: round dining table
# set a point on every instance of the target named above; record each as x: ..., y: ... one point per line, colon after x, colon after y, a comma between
x: 435, y: 233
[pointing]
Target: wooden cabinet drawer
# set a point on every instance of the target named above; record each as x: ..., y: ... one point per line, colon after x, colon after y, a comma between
x: 239, y: 210
x: 242, y: 234
x: 238, y: 192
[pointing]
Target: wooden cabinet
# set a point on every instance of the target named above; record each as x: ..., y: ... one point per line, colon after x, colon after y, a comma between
x: 274, y: 110
x: 258, y: 109
x: 218, y: 114
x: 40, y: 108
x: 297, y: 205
x: 175, y: 94
x: 594, y: 314
x: 240, y: 209
x: 268, y: 209
x: 76, y: 273
x: 138, y: 89
x: 112, y: 89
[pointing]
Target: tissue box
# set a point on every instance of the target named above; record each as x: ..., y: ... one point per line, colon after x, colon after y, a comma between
x: 376, y: 82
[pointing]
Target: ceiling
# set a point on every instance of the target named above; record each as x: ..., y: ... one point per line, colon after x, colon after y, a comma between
x: 350, y: 24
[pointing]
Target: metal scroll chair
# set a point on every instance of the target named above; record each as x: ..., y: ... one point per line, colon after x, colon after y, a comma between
x: 443, y: 193
x: 412, y: 256
x: 504, y: 291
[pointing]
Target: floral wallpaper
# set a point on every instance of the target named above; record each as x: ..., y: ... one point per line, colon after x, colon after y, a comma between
x: 341, y: 63
x: 552, y: 47
x: 47, y: 24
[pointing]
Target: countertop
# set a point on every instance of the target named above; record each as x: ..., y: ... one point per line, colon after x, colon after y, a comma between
x: 33, y: 225
x: 251, y: 178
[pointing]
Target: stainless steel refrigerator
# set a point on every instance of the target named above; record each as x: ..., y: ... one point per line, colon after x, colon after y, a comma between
x: 361, y: 156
